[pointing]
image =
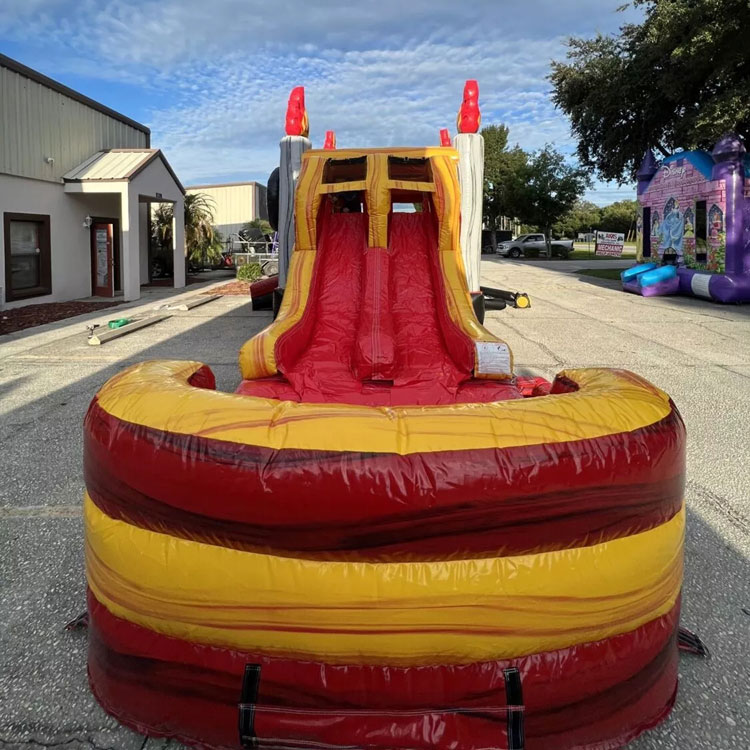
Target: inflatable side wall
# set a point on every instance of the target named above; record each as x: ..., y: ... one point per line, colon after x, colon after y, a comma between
x: 384, y: 564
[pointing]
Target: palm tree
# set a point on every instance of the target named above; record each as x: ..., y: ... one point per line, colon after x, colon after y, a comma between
x: 199, y: 230
x: 257, y: 229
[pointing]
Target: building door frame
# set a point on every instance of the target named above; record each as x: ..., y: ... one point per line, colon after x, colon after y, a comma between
x: 44, y: 251
x: 646, y: 232
x: 115, y: 284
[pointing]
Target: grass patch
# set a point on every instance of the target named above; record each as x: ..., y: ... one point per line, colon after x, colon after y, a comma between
x: 586, y: 255
x: 601, y: 273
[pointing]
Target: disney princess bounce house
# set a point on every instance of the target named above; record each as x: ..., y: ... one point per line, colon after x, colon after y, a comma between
x: 694, y: 224
x: 384, y: 539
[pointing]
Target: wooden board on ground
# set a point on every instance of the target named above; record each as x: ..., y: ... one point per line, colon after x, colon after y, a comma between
x: 103, y: 334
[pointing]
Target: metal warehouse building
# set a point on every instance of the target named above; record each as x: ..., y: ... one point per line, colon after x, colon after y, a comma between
x: 76, y: 181
x: 234, y: 204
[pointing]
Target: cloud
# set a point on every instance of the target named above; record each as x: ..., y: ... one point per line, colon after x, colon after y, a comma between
x: 161, y: 34
x: 376, y: 97
x: 215, y: 76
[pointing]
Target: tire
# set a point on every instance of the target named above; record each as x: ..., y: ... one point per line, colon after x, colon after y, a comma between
x: 272, y: 199
x: 270, y: 267
x: 515, y: 252
x: 560, y: 251
x: 157, y: 269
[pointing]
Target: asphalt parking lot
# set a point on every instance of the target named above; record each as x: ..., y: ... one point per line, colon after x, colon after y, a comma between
x: 696, y: 351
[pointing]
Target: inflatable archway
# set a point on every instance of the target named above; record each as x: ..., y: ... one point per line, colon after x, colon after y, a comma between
x: 379, y: 541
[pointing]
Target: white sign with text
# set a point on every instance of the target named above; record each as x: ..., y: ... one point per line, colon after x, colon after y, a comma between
x: 609, y: 243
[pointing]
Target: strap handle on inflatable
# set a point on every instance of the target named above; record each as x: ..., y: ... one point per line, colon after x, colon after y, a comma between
x: 251, y: 684
x: 514, y: 699
x: 248, y: 700
x: 689, y: 643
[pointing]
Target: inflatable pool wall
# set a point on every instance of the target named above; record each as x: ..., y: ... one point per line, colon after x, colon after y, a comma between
x: 378, y: 541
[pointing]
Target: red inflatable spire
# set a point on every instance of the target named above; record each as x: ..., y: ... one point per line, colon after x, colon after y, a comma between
x: 296, y: 114
x: 445, y: 137
x: 330, y: 142
x: 469, y: 117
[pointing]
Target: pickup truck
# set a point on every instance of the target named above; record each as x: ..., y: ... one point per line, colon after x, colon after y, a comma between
x: 533, y: 245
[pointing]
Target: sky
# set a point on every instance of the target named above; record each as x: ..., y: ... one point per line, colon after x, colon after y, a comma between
x: 211, y: 78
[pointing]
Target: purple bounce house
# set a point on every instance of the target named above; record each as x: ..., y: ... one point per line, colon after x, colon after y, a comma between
x: 695, y: 213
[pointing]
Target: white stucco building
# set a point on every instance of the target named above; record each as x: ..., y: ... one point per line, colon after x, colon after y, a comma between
x: 76, y: 181
x: 234, y: 204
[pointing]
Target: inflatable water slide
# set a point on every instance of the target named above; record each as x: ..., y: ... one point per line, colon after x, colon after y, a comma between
x: 383, y: 539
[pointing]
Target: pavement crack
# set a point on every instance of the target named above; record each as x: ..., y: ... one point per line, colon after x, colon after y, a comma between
x: 720, y: 505
x: 558, y: 360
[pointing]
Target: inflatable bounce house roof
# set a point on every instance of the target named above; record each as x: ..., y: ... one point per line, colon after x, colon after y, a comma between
x: 694, y: 224
x: 384, y: 539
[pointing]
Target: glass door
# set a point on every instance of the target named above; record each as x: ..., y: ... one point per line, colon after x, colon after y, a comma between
x: 25, y: 255
x: 102, y: 260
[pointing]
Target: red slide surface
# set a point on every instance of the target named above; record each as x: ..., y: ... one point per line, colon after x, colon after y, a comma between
x: 379, y: 328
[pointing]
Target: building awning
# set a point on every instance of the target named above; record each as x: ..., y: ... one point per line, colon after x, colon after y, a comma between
x: 118, y: 165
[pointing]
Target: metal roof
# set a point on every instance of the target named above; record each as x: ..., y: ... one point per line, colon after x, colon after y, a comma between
x: 224, y: 185
x: 117, y: 164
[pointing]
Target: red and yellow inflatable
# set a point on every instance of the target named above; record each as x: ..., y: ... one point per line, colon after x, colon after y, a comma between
x: 378, y: 542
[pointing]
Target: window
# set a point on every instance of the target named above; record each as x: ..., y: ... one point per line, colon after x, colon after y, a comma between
x: 345, y: 170
x: 28, y: 270
x: 409, y: 169
x: 701, y: 233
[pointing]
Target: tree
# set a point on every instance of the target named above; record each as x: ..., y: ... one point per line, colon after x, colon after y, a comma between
x: 199, y: 231
x: 255, y: 230
x: 619, y: 217
x: 502, y: 173
x: 212, y: 251
x: 547, y: 188
x: 681, y: 78
x: 582, y: 217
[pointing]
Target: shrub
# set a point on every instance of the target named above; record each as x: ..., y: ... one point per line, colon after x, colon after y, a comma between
x: 249, y: 272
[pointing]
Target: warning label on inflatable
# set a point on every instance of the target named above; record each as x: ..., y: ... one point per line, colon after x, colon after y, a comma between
x: 699, y: 285
x: 493, y: 358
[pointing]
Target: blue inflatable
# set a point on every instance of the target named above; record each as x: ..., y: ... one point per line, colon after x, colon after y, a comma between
x: 630, y: 273
x: 656, y: 275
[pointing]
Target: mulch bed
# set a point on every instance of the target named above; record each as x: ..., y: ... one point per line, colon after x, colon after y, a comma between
x: 37, y: 315
x: 233, y: 288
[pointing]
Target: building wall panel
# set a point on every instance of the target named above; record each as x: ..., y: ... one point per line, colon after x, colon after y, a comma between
x: 37, y: 121
x: 234, y: 205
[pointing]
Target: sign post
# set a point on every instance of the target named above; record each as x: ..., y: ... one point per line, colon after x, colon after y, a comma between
x: 609, y: 243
